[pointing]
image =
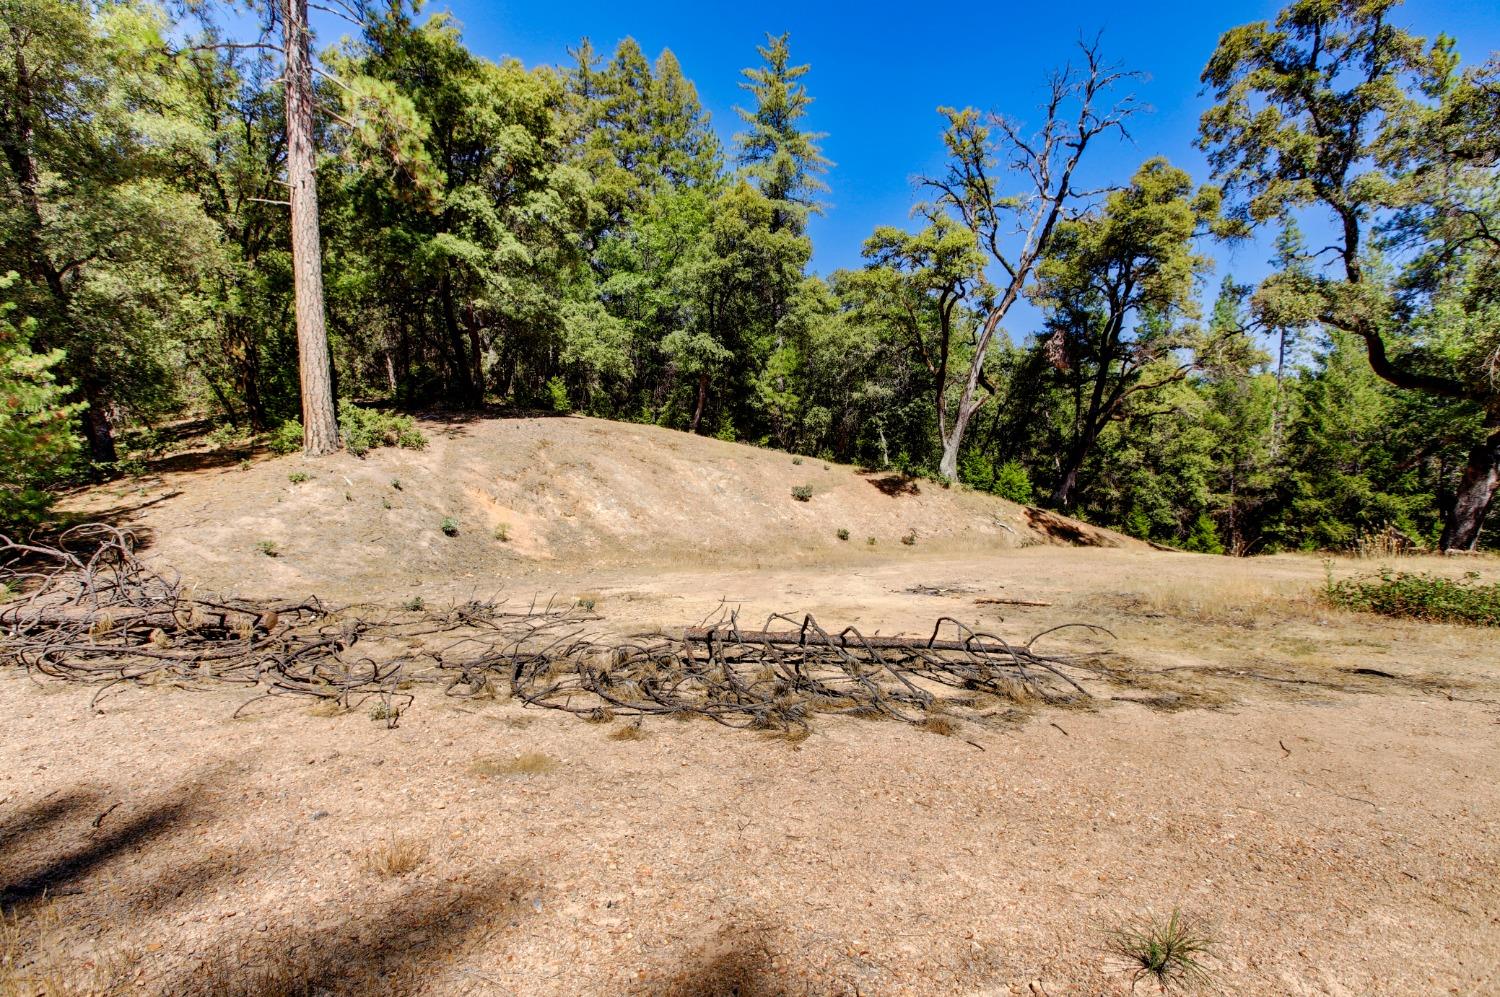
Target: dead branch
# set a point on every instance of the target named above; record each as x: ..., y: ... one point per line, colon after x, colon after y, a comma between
x: 91, y: 611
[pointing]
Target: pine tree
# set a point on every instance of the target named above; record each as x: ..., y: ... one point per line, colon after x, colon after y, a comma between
x: 785, y: 162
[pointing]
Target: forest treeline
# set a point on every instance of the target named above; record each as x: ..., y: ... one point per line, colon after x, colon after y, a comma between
x: 580, y: 238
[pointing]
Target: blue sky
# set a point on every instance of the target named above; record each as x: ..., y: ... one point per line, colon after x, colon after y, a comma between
x: 880, y: 71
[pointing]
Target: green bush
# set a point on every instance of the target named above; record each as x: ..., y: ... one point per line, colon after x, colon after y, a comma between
x: 1205, y: 536
x: 557, y: 391
x: 803, y: 493
x: 285, y: 438
x: 36, y: 423
x: 843, y: 534
x: 1013, y: 481
x: 1420, y: 596
x: 365, y: 429
x: 449, y: 526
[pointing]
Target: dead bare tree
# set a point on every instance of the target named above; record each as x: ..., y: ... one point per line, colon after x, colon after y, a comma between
x: 989, y: 156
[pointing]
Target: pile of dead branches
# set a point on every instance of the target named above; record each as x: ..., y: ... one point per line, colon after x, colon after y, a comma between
x: 90, y: 610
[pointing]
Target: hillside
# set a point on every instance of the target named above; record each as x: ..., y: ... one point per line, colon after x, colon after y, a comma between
x: 563, y: 492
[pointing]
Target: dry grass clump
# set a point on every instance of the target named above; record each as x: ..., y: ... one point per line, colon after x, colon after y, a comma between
x: 526, y: 763
x: 35, y: 960
x: 329, y: 707
x: 629, y: 732
x: 394, y: 857
x: 938, y: 724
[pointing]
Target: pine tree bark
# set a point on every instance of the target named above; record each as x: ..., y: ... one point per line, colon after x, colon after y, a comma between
x: 320, y: 432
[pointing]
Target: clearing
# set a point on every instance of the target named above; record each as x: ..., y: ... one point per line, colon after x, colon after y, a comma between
x: 1318, y: 787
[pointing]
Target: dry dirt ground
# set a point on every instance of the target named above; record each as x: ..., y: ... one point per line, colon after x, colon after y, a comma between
x: 1319, y: 788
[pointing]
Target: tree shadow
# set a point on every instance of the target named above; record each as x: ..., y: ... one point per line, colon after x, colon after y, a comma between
x: 1067, y: 530
x: 76, y: 834
x: 895, y: 485
x: 388, y: 947
x: 736, y: 963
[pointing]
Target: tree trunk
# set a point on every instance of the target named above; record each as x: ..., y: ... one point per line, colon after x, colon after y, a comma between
x: 320, y: 430
x: 702, y: 398
x: 97, y: 430
x: 1476, y: 492
x: 459, y: 364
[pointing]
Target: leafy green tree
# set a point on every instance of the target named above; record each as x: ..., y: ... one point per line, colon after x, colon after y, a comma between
x: 110, y: 252
x: 1334, y: 107
x: 1119, y: 287
x: 36, y: 438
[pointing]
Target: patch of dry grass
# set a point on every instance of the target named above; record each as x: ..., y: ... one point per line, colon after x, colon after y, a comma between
x: 526, y: 763
x: 394, y: 857
x: 629, y: 732
x: 35, y: 960
x: 1243, y: 599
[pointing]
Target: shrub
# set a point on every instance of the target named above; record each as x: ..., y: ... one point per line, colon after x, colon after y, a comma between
x: 1205, y: 536
x: 224, y: 435
x: 910, y: 539
x: 843, y: 534
x: 297, y: 477
x: 796, y: 460
x: 365, y: 429
x: 502, y: 532
x: 1013, y: 481
x: 285, y: 438
x: 414, y: 605
x: 803, y: 493
x: 268, y: 548
x: 449, y: 526
x: 1420, y: 596
x: 557, y: 392
x: 871, y: 541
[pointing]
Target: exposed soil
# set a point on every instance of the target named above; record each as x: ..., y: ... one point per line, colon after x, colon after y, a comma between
x: 1319, y: 788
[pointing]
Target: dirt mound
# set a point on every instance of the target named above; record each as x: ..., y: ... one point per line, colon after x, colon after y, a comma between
x: 531, y: 495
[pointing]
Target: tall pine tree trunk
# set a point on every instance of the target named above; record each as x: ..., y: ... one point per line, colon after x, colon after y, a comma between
x: 320, y: 431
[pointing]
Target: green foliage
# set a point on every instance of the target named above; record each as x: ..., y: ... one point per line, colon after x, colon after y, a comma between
x: 36, y: 439
x: 449, y: 526
x: 558, y: 393
x: 802, y: 493
x: 910, y: 538
x: 1013, y: 481
x: 1170, y: 952
x: 502, y: 533
x: 362, y: 430
x: 286, y: 438
x: 268, y: 548
x: 1204, y: 537
x: 843, y: 534
x: 1420, y: 596
x: 415, y: 604
x: 298, y: 477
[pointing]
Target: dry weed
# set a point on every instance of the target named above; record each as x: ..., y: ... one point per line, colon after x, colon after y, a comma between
x: 527, y: 763
x: 394, y: 857
x: 630, y: 732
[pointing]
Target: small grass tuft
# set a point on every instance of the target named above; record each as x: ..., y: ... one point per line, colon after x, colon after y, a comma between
x: 910, y: 539
x: 297, y: 477
x: 268, y: 548
x: 527, y: 763
x: 802, y: 493
x: 414, y: 605
x: 383, y: 712
x: 396, y: 483
x: 502, y: 533
x: 843, y: 534
x: 629, y: 732
x: 1170, y: 951
x: 394, y: 857
x: 449, y: 526
x: 328, y: 707
x: 870, y: 541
